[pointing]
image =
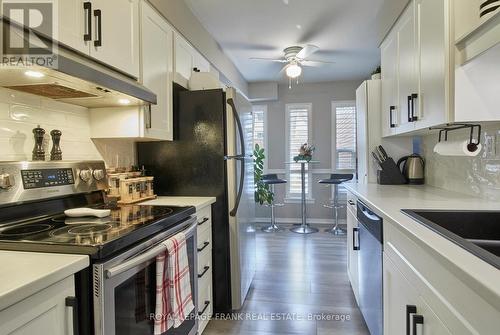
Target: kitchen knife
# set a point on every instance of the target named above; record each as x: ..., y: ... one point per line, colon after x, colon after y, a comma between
x: 377, y: 158
x: 383, y: 152
x: 379, y: 154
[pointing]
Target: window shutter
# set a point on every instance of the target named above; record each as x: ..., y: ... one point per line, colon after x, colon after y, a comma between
x: 298, y: 134
x: 346, y: 137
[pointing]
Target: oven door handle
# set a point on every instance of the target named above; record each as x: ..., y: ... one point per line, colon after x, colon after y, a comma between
x: 145, y: 256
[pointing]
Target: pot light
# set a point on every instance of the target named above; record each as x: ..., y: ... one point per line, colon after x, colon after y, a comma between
x: 124, y: 101
x: 34, y: 74
x: 293, y: 71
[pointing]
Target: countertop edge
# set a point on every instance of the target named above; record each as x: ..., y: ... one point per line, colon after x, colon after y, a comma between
x: 198, y: 202
x: 475, y: 270
x: 26, y: 290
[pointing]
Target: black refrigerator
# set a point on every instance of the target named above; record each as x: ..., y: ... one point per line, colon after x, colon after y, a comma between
x: 211, y: 156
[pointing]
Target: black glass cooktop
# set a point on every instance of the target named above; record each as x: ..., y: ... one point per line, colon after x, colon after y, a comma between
x: 98, y: 237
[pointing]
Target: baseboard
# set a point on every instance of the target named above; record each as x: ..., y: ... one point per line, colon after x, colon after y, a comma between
x: 320, y: 222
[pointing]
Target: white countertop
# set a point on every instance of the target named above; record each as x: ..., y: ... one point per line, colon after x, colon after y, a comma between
x: 387, y: 201
x: 22, y: 274
x: 198, y: 202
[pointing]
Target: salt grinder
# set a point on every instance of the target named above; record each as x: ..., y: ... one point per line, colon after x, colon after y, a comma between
x: 38, y: 152
x: 56, y: 152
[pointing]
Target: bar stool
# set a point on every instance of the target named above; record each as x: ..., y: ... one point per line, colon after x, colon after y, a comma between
x: 271, y: 180
x: 336, y: 179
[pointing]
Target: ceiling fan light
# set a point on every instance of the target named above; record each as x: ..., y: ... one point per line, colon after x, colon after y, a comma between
x: 293, y: 71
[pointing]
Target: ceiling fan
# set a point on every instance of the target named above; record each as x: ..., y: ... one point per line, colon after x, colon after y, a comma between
x: 295, y: 58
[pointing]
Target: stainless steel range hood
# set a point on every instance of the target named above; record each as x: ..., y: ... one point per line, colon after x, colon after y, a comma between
x: 77, y: 79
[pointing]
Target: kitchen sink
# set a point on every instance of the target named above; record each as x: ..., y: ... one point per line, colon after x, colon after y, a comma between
x: 476, y: 231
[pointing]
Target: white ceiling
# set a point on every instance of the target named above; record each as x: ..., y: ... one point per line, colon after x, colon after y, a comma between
x: 347, y: 31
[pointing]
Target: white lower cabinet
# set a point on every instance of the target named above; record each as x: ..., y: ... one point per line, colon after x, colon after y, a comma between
x: 415, y: 275
x: 352, y: 244
x: 205, y: 295
x: 404, y: 310
x: 46, y: 312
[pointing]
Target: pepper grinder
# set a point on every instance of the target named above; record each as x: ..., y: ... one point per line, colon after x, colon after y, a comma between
x: 56, y: 152
x: 38, y: 152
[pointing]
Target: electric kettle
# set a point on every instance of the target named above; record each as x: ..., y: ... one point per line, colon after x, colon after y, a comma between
x: 413, y: 169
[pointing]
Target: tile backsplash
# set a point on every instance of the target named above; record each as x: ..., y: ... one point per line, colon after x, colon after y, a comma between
x: 21, y: 112
x: 478, y: 176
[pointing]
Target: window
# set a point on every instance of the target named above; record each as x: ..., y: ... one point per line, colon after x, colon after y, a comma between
x: 259, y: 125
x: 344, y: 116
x: 260, y: 129
x: 298, y: 130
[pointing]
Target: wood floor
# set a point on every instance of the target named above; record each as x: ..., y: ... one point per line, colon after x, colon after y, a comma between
x: 302, y: 277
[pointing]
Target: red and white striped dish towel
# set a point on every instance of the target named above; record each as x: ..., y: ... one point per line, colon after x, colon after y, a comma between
x: 174, y: 299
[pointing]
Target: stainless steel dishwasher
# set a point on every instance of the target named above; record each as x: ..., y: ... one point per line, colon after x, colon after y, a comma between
x: 370, y: 269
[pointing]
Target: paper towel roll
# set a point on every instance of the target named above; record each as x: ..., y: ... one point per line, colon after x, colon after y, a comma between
x: 457, y: 148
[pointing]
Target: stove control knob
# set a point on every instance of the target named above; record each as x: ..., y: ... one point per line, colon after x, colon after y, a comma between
x: 85, y: 175
x: 6, y: 181
x: 99, y: 174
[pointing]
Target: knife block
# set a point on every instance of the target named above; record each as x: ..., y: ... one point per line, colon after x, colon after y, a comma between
x: 390, y: 174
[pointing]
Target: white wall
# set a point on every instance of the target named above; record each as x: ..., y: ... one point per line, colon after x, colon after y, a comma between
x: 21, y: 112
x: 321, y: 96
x: 478, y: 176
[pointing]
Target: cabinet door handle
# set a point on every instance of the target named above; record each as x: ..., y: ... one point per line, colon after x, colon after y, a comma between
x: 203, y: 221
x: 98, y: 18
x: 205, y: 269
x: 410, y: 112
x: 73, y: 303
x: 417, y: 320
x: 355, y: 239
x: 391, y: 116
x: 414, y: 97
x: 410, y: 309
x: 350, y: 202
x: 207, y: 303
x: 147, y: 117
x: 206, y: 244
x: 87, y: 8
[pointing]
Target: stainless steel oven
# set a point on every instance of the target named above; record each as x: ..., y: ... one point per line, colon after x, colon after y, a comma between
x: 125, y: 287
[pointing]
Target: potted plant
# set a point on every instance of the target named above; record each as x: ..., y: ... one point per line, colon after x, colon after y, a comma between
x: 263, y: 194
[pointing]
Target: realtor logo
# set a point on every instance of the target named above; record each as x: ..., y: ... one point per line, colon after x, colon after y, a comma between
x: 28, y: 33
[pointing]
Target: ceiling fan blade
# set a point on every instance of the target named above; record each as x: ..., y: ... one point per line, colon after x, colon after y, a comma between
x: 315, y: 63
x: 269, y: 59
x: 307, y: 51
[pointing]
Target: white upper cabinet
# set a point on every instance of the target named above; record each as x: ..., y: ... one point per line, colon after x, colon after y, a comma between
x: 184, y: 60
x: 407, y: 75
x: 116, y: 34
x: 148, y: 123
x: 390, y: 106
x: 433, y: 42
x: 157, y: 71
x: 187, y: 59
x: 107, y: 30
x: 73, y: 21
x: 416, y: 67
